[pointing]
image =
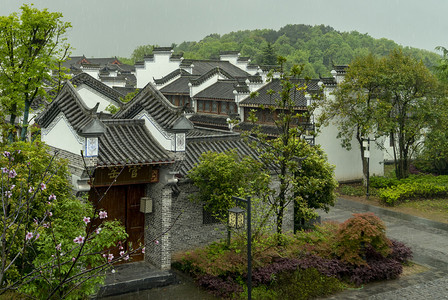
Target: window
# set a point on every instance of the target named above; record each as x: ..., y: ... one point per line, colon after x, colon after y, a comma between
x: 207, y: 217
x: 215, y: 107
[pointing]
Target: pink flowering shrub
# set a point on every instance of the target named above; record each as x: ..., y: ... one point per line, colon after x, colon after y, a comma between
x: 55, y: 236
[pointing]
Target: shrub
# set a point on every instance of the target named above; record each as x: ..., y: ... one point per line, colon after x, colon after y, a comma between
x: 400, y: 252
x: 380, y: 182
x: 219, y: 287
x: 383, y: 269
x: 352, y: 190
x: 358, y: 232
x: 413, y: 190
x: 306, y: 284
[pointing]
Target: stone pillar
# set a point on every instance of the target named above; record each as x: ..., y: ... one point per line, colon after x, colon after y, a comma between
x: 157, y: 224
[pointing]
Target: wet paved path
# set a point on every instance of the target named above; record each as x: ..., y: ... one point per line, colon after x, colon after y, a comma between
x: 429, y: 242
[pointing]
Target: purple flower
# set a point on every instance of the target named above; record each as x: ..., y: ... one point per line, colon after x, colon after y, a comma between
x: 18, y: 151
x: 5, y: 170
x: 13, y: 186
x: 43, y: 186
x: 29, y: 236
x: 46, y: 225
x: 31, y: 190
x: 156, y: 242
x: 12, y: 173
x: 37, y: 236
x: 8, y: 194
x: 6, y: 154
x: 58, y: 247
x: 86, y: 220
x: 122, y: 253
x: 98, y: 230
x: 102, y: 214
x: 52, y: 197
x: 110, y: 257
x: 79, y: 240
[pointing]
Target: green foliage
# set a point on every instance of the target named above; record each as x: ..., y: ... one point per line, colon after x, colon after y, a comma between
x: 389, y: 96
x: 32, y: 45
x: 305, y: 177
x: 306, y: 265
x: 317, y: 47
x: 353, y: 190
x: 358, y: 232
x: 42, y: 205
x: 415, y: 187
x: 306, y: 284
x: 219, y: 176
x: 112, y: 109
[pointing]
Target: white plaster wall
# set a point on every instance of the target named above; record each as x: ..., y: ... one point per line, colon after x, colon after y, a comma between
x: 91, y: 72
x: 348, y: 163
x: 210, y: 81
x: 91, y: 97
x: 156, y: 68
x: 165, y: 139
x: 231, y: 58
x: 61, y: 135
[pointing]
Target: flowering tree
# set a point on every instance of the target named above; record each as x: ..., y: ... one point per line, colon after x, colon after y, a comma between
x: 51, y: 245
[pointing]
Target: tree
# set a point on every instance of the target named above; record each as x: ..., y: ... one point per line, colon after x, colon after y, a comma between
x: 391, y: 96
x: 269, y: 57
x: 315, y: 182
x: 219, y: 176
x: 52, y: 244
x: 32, y: 45
x: 355, y: 105
x: 282, y: 155
x: 407, y: 92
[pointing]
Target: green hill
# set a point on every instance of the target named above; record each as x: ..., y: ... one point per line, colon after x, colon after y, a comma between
x: 317, y: 47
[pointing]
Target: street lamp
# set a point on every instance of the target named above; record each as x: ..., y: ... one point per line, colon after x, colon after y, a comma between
x: 366, y: 146
x: 236, y: 220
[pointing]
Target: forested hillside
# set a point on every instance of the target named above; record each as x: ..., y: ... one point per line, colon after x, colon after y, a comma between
x: 317, y: 47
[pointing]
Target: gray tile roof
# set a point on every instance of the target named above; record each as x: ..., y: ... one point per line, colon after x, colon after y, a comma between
x: 84, y: 78
x: 120, y: 141
x: 153, y: 101
x: 129, y: 142
x: 170, y: 76
x: 218, y: 142
x: 178, y: 86
x: 264, y: 99
x: 222, y: 89
x: 69, y: 103
x: 201, y: 67
x: 210, y: 120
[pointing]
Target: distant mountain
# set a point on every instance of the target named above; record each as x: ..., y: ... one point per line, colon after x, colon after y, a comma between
x: 317, y: 47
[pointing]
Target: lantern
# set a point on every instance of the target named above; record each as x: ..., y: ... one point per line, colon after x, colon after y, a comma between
x: 236, y: 218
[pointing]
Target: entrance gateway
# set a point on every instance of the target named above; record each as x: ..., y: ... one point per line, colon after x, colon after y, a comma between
x: 122, y: 200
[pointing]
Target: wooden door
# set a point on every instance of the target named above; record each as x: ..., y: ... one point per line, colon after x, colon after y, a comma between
x: 123, y: 204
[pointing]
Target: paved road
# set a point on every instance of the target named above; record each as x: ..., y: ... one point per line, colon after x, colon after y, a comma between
x: 429, y: 242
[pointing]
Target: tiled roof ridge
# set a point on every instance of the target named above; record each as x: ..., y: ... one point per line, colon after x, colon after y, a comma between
x: 229, y: 52
x: 52, y: 110
x: 98, y: 86
x: 171, y: 75
x: 165, y: 112
x: 210, y: 73
x: 115, y: 122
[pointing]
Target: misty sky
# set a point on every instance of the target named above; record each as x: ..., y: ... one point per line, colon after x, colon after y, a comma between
x: 104, y: 28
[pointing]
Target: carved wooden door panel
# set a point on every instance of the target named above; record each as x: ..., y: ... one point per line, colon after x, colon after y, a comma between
x: 123, y: 203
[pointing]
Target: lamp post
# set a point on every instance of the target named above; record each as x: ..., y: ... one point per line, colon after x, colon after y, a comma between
x: 236, y: 220
x: 366, y: 145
